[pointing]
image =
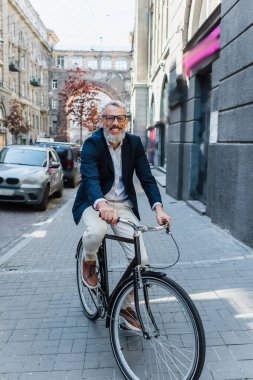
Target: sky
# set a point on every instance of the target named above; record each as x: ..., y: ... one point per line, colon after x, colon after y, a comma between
x: 88, y: 24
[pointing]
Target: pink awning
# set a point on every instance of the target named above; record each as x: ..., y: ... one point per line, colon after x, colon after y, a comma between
x: 204, y: 49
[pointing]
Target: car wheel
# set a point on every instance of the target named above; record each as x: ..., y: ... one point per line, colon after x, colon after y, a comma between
x: 73, y: 182
x: 59, y: 193
x: 42, y: 206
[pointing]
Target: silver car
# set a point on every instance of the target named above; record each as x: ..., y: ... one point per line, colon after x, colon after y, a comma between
x: 30, y: 174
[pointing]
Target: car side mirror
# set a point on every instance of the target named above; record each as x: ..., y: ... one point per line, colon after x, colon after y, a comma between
x: 54, y: 165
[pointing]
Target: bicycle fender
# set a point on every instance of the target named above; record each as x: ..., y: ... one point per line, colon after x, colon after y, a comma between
x: 153, y: 273
x: 122, y: 285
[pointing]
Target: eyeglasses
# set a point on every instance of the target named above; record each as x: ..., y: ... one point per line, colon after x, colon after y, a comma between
x: 111, y: 118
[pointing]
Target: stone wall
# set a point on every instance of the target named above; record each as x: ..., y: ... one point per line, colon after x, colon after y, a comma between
x: 230, y: 172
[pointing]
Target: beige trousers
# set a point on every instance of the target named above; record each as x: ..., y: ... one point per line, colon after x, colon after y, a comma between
x: 96, y: 228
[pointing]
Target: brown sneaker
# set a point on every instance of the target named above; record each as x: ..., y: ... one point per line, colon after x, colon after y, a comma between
x: 90, y: 277
x: 130, y: 319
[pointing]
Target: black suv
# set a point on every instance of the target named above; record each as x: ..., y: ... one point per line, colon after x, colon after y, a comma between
x: 69, y: 155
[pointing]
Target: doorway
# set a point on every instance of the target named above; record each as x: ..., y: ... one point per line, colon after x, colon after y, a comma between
x: 203, y: 135
x: 160, y: 143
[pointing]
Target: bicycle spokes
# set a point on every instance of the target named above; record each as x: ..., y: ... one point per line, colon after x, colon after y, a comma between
x: 169, y: 346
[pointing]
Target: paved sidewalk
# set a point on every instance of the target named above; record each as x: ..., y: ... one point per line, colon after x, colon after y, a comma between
x: 45, y: 335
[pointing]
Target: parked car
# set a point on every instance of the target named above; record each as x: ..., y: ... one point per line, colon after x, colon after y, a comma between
x: 30, y: 174
x: 69, y: 154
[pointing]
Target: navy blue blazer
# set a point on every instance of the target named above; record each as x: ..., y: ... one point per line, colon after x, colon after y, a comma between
x: 98, y: 172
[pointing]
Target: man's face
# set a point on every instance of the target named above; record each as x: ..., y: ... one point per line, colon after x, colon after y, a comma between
x: 114, y: 127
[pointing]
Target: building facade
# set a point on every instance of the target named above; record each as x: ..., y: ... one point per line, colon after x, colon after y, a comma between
x: 33, y: 73
x: 109, y: 71
x: 199, y: 104
x: 25, y: 48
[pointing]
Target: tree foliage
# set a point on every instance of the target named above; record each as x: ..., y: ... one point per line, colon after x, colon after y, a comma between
x: 15, y: 121
x: 80, y: 99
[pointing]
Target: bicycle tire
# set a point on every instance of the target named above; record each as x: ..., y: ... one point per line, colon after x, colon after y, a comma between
x: 87, y: 296
x: 178, y: 352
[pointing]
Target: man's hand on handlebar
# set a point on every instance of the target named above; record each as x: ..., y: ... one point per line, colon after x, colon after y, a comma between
x: 110, y: 215
x: 107, y: 213
x: 162, y: 217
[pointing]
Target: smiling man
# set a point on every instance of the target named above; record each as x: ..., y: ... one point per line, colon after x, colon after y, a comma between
x: 109, y: 159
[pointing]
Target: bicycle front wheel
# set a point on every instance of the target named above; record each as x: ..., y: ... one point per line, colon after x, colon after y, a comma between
x: 88, y: 296
x: 174, y: 347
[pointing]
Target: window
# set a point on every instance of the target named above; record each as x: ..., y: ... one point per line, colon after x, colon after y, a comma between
x: 13, y: 31
x: 121, y: 64
x: 54, y: 125
x: 128, y: 85
x: 22, y: 63
x: 164, y: 101
x: 60, y: 60
x: 92, y: 64
x: 55, y: 158
x: 45, y: 76
x: 77, y: 62
x: 41, y: 78
x: 1, y: 115
x: 200, y: 10
x: 106, y: 63
x: 128, y: 106
x: 54, y: 84
x: 54, y: 104
x: 13, y: 85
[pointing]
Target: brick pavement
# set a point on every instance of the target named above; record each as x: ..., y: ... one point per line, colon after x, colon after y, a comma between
x: 45, y: 335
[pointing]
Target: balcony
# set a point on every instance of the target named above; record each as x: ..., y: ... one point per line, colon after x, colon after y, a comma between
x: 14, y: 66
x: 35, y: 82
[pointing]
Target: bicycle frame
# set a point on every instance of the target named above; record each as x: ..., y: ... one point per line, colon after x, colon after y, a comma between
x: 134, y: 269
x: 102, y: 258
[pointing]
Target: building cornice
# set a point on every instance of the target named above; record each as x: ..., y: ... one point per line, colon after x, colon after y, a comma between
x: 31, y: 17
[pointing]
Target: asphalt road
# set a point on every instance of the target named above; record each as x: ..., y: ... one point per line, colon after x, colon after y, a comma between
x: 18, y: 219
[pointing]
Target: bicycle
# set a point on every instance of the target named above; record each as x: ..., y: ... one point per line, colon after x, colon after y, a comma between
x: 171, y: 343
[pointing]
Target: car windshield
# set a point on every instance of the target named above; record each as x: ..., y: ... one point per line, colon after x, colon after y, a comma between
x: 23, y: 157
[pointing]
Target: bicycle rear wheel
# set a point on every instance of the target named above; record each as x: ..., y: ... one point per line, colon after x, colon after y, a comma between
x: 175, y: 347
x: 88, y: 296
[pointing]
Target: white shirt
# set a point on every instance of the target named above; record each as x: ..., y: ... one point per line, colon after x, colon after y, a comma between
x: 118, y: 191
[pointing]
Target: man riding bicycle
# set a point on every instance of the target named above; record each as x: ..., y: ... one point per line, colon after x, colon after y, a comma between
x: 109, y: 158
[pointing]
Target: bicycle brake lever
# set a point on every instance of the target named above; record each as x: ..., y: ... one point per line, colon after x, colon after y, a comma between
x: 167, y: 228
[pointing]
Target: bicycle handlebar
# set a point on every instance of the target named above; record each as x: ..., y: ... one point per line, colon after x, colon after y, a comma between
x: 142, y: 228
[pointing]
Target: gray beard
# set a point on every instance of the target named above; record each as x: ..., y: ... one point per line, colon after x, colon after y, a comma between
x: 114, y: 139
